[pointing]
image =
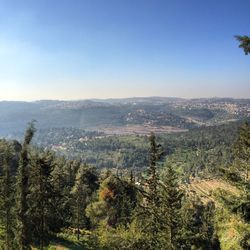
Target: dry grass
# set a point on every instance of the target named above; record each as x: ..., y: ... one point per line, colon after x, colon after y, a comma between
x: 204, y: 188
x: 139, y: 130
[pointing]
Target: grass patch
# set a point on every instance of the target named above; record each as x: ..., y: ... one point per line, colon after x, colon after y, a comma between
x: 231, y: 230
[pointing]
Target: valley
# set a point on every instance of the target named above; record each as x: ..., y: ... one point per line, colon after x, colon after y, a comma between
x: 122, y: 116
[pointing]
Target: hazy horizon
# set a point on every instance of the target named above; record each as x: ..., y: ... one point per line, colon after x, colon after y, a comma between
x: 117, y: 49
x: 121, y: 98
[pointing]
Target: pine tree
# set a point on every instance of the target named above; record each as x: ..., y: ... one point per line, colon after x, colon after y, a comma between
x: 244, y: 43
x: 86, y: 183
x: 7, y: 197
x: 61, y: 181
x: 171, y: 203
x: 242, y: 150
x: 151, y: 210
x: 155, y: 154
x: 153, y: 201
x: 161, y: 204
x: 198, y: 231
x: 22, y: 191
x: 41, y: 195
x: 79, y: 194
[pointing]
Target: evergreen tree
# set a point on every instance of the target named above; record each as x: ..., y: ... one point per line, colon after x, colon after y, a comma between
x: 22, y: 191
x: 85, y: 184
x: 116, y: 203
x: 242, y: 150
x: 7, y: 196
x: 152, y: 211
x: 40, y: 198
x: 171, y: 203
x: 198, y: 230
x: 161, y: 204
x: 155, y: 154
x: 244, y: 43
x: 62, y: 198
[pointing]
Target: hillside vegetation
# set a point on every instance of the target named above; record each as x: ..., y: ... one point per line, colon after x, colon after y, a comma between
x: 192, y: 192
x: 230, y: 226
x: 202, y: 147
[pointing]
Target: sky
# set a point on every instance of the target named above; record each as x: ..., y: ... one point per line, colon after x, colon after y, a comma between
x: 81, y: 49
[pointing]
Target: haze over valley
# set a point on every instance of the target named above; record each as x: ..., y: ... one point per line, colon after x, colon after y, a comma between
x: 122, y: 116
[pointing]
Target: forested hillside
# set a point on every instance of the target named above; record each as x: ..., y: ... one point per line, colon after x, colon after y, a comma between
x: 191, y: 193
x: 207, y: 144
x: 109, y: 116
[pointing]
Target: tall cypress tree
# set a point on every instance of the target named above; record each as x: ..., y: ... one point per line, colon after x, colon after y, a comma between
x: 155, y: 153
x: 22, y: 191
x: 150, y: 207
x: 171, y: 203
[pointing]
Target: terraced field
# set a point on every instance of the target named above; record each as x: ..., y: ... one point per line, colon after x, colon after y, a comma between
x: 205, y: 188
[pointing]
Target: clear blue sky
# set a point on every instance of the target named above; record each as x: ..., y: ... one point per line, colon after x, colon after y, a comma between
x: 76, y: 49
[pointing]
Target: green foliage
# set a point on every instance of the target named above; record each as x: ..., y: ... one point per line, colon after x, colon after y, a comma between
x: 195, y: 151
x: 159, y: 210
x: 242, y: 150
x: 96, y: 212
x: 86, y: 183
x: 201, y: 152
x: 22, y: 192
x: 130, y: 237
x: 68, y: 240
x: 235, y: 203
x: 116, y: 202
x: 41, y: 197
x: 59, y: 199
x: 198, y: 231
x: 7, y: 199
x: 172, y: 203
x: 232, y: 231
x: 244, y: 43
x: 152, y: 211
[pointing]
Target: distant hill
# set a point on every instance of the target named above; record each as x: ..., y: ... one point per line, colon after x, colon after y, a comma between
x: 97, y: 114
